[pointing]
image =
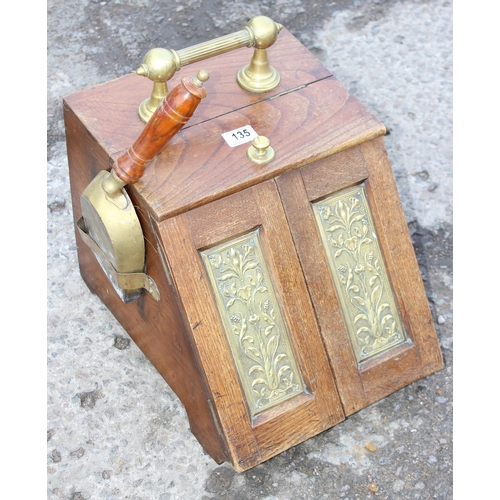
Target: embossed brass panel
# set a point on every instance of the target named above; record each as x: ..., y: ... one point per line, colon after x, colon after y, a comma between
x: 359, y: 272
x: 253, y: 322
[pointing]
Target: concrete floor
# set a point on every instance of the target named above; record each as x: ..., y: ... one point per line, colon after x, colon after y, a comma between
x: 115, y: 430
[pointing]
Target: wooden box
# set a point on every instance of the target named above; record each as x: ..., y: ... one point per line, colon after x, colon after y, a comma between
x: 290, y: 296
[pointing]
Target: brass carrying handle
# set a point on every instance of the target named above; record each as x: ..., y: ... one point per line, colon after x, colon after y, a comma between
x: 159, y: 65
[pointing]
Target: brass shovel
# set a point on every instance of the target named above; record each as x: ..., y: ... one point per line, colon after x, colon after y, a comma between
x: 109, y: 224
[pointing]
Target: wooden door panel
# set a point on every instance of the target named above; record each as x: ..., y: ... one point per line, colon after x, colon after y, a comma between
x: 231, y: 251
x: 362, y: 173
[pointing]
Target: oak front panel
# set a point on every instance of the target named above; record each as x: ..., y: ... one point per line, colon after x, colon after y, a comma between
x: 353, y: 243
x: 242, y: 291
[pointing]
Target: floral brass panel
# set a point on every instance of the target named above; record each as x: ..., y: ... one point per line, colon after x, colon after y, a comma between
x: 359, y: 272
x: 253, y: 322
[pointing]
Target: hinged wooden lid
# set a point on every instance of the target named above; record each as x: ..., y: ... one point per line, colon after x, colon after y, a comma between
x: 308, y: 117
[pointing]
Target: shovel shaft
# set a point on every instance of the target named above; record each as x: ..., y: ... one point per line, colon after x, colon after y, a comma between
x: 171, y: 115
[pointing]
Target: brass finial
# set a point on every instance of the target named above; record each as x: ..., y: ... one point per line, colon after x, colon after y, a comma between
x: 202, y: 76
x: 261, y: 151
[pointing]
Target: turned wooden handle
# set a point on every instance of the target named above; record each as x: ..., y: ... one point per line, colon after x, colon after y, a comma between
x: 170, y: 116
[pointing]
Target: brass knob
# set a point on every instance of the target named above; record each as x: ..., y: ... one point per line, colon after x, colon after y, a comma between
x: 261, y: 151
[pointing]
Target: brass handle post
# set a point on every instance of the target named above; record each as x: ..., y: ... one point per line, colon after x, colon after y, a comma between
x: 159, y: 65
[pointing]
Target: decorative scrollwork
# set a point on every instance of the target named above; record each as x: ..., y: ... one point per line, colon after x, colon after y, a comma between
x: 255, y: 327
x: 359, y: 273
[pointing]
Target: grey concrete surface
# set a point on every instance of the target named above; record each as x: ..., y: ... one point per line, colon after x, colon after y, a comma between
x: 115, y: 430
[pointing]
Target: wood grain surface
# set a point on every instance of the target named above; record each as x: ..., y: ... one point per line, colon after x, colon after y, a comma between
x: 105, y: 108
x: 156, y: 327
x: 317, y: 119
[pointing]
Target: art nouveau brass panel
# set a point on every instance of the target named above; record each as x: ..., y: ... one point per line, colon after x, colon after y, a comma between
x: 359, y: 273
x: 254, y: 324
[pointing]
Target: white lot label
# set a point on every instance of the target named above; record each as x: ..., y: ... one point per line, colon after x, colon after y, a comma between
x: 240, y: 136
